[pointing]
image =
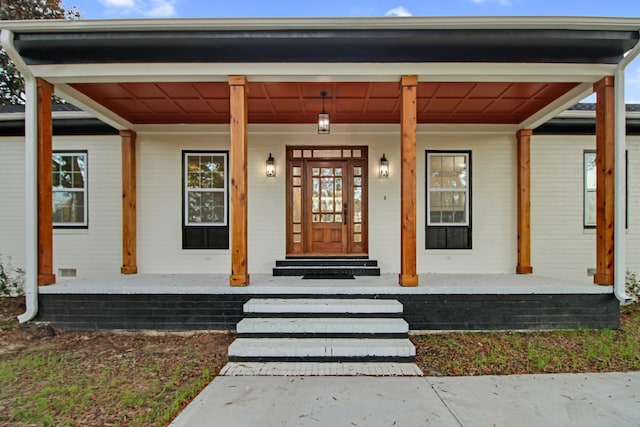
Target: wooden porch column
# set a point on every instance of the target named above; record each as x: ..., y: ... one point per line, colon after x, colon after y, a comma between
x: 604, y: 181
x: 239, y: 194
x: 129, y: 233
x: 524, y: 202
x: 45, y: 185
x: 408, y: 126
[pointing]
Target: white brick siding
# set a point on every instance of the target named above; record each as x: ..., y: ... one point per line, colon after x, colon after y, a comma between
x: 12, y: 176
x: 561, y: 247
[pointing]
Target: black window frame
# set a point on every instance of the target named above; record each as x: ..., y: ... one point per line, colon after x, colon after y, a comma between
x: 449, y: 237
x: 85, y: 224
x: 195, y: 237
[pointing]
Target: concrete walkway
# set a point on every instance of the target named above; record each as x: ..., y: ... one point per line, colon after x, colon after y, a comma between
x: 520, y: 400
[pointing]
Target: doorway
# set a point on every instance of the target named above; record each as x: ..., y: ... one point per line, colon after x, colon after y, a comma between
x: 327, y: 201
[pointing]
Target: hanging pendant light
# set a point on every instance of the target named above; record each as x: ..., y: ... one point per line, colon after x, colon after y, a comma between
x: 324, y: 125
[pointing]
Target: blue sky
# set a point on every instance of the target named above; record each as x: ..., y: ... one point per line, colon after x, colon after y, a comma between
x: 100, y: 9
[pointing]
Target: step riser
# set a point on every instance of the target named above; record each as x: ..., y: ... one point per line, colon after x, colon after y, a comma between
x: 370, y: 335
x: 389, y: 369
x: 323, y: 315
x: 323, y: 263
x: 354, y: 271
x: 387, y: 359
x: 323, y: 326
x: 327, y: 258
x: 301, y: 348
x: 304, y: 306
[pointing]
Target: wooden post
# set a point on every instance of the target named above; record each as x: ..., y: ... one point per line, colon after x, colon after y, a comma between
x: 239, y: 194
x: 45, y: 185
x: 605, y: 191
x: 129, y: 233
x: 523, y: 137
x: 408, y: 125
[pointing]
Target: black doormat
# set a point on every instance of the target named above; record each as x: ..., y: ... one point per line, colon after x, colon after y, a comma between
x: 328, y: 276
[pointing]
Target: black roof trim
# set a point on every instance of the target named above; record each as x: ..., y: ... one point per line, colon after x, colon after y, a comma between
x: 591, y: 106
x: 66, y: 127
x: 55, y: 108
x: 327, y: 45
x: 579, y: 126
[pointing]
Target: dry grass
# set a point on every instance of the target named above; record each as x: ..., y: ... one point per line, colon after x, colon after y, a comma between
x: 494, y: 353
x: 55, y: 378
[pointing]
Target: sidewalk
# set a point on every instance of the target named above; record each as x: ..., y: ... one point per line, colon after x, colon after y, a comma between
x: 519, y: 400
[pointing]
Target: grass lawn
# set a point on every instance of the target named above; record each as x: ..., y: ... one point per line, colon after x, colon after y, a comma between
x: 500, y: 353
x: 55, y: 378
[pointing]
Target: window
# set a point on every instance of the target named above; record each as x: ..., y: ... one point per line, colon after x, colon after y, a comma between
x: 589, y: 214
x: 69, y: 189
x: 448, y: 200
x: 589, y: 189
x: 205, y: 200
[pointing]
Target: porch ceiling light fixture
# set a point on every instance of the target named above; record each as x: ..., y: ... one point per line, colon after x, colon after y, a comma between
x: 384, y: 167
x: 271, y: 166
x: 324, y: 125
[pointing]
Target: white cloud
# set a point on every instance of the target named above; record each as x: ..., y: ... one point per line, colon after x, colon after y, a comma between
x: 147, y: 8
x: 118, y: 3
x: 161, y: 9
x: 501, y: 2
x: 398, y: 11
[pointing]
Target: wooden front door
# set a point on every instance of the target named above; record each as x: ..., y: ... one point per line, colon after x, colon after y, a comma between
x: 326, y: 203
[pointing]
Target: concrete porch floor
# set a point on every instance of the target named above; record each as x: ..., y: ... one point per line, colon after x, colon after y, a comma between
x: 268, y: 284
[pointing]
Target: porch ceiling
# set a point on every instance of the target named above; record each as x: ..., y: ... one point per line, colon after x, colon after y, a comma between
x: 347, y: 102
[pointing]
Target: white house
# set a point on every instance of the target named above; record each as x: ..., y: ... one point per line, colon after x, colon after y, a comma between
x: 452, y: 150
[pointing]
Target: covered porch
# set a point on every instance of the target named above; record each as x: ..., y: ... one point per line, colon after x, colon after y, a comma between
x: 418, y: 86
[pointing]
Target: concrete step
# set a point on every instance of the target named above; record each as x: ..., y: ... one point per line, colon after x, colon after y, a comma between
x: 326, y: 262
x: 379, y: 307
x: 325, y: 327
x: 273, y: 369
x: 321, y: 349
x: 330, y: 257
x: 326, y: 270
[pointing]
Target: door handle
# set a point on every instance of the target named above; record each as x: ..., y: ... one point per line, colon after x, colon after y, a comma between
x: 344, y: 214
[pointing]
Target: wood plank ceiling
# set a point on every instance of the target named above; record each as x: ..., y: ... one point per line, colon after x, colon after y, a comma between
x: 366, y: 102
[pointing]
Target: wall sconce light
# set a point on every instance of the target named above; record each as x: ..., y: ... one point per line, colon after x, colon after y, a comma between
x: 384, y: 167
x: 271, y: 166
x: 324, y: 124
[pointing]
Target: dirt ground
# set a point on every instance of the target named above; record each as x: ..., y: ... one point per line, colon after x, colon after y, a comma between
x: 158, y: 373
x: 14, y: 337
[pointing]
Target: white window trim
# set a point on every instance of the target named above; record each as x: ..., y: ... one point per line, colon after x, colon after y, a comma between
x: 458, y: 190
x: 84, y: 190
x: 585, y: 189
x: 186, y: 189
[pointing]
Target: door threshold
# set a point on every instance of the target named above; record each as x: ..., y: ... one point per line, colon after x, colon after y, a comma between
x: 327, y: 256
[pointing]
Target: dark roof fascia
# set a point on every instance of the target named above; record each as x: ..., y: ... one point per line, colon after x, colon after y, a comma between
x: 605, y: 46
x: 580, y: 126
x: 61, y: 127
x: 55, y: 108
x: 591, y: 106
